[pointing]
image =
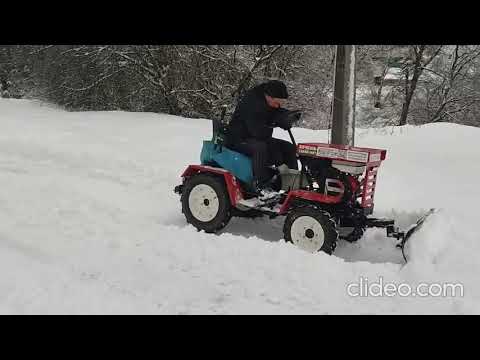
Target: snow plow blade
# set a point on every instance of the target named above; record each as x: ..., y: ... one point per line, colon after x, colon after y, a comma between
x: 413, y: 229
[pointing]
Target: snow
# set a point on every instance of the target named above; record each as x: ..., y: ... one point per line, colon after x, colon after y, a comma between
x: 90, y: 223
x: 394, y: 73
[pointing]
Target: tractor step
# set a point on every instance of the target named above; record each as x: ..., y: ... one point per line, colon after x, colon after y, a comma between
x: 271, y: 206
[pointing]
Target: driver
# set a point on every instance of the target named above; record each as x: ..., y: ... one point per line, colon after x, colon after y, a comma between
x: 251, y: 127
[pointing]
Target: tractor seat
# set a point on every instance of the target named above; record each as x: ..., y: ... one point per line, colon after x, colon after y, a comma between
x: 215, y: 153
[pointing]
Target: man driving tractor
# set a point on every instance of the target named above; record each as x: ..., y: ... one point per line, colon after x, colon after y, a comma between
x: 317, y: 204
x: 251, y: 127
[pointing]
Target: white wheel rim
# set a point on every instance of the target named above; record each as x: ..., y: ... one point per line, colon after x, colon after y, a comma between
x: 203, y: 203
x: 307, y: 233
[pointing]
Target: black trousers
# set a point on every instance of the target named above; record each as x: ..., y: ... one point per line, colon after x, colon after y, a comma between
x: 266, y: 153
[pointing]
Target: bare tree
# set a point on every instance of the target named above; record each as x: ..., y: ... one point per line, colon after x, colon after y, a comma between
x: 450, y: 90
x: 439, y: 83
x: 415, y: 66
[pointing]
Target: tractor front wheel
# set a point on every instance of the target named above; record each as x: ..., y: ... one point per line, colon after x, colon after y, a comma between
x: 205, y: 203
x: 311, y: 229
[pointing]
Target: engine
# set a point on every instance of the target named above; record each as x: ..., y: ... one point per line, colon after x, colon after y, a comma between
x: 331, y: 180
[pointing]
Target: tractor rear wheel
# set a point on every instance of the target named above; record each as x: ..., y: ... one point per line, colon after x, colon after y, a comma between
x: 311, y: 229
x: 205, y: 203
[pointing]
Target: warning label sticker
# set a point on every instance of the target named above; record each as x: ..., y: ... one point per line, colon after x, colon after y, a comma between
x: 307, y: 150
x: 374, y: 157
x: 357, y: 156
x: 343, y: 154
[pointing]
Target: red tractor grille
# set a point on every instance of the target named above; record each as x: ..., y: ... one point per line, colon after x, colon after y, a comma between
x: 368, y: 186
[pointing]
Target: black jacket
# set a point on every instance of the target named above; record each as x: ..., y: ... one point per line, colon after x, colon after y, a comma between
x: 253, y: 118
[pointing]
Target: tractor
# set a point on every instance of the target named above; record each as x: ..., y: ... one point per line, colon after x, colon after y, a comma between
x: 331, y: 197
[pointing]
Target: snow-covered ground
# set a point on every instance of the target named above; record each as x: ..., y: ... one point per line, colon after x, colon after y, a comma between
x: 89, y: 223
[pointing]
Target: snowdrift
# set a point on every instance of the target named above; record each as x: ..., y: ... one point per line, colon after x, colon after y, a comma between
x: 90, y: 224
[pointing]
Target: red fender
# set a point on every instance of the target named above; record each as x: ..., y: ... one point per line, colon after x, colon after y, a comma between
x: 309, y: 195
x: 233, y: 187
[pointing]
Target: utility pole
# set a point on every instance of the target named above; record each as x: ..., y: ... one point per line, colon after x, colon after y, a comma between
x: 343, y: 121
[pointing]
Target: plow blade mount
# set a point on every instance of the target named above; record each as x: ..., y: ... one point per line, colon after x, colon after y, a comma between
x: 394, y: 232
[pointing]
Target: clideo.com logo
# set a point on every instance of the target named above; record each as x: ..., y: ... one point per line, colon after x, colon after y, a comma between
x: 380, y: 288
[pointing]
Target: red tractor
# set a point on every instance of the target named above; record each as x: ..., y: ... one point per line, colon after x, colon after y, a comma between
x: 333, y: 191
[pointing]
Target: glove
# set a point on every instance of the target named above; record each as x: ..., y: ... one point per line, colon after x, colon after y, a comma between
x: 295, y: 116
x: 287, y: 120
x: 284, y: 123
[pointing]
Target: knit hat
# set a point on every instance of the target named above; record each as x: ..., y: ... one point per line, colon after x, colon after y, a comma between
x: 276, y: 89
